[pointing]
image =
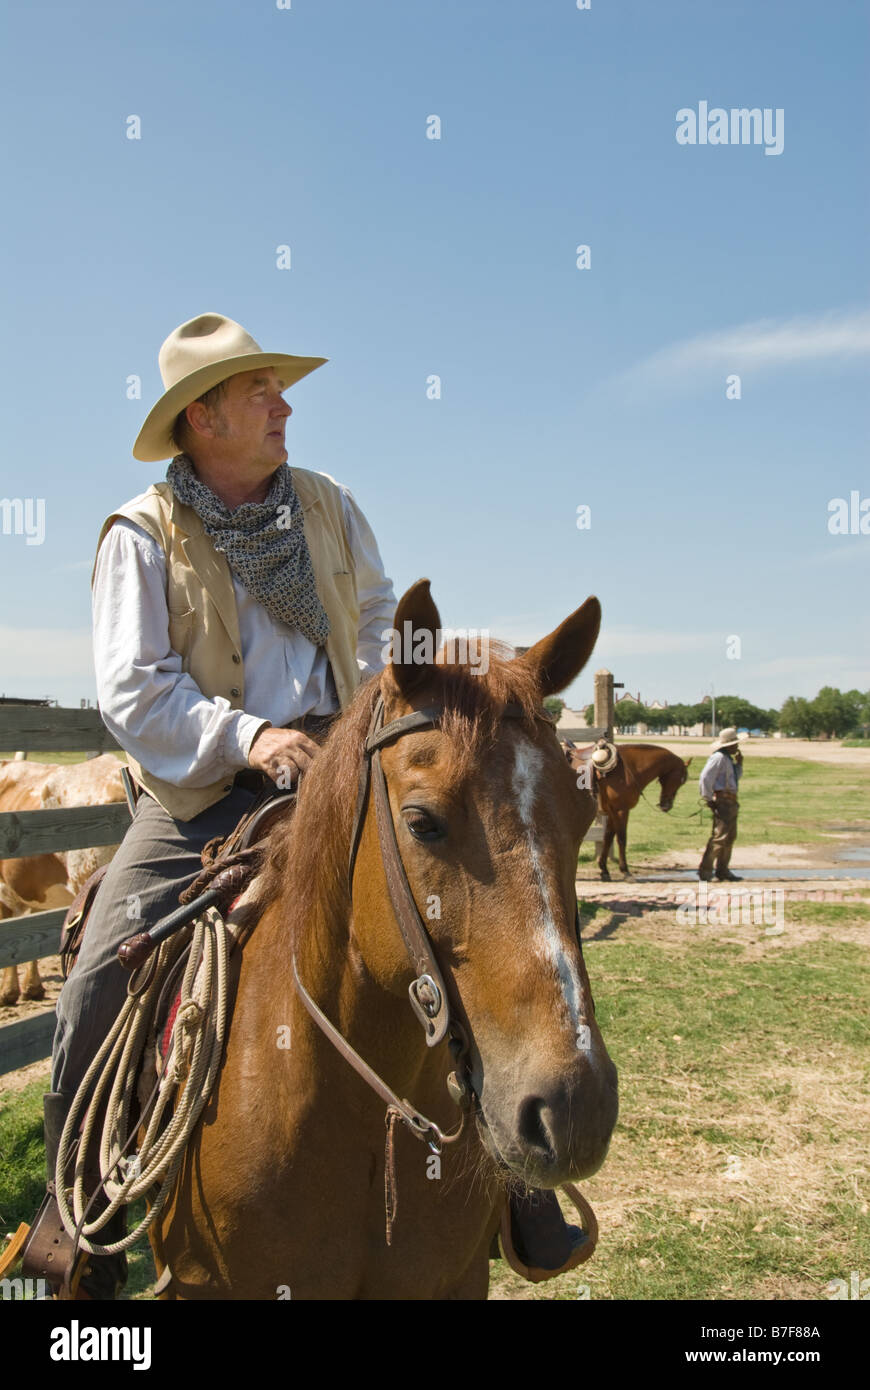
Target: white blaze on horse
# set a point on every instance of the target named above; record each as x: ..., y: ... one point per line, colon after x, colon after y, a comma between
x: 41, y: 882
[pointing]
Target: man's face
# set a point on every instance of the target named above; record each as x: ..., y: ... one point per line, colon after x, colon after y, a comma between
x: 251, y: 416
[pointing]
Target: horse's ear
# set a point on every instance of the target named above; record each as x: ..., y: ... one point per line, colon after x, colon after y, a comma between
x: 562, y: 655
x: 416, y: 628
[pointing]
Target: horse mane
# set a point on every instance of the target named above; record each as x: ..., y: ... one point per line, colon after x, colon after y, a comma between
x: 314, y: 846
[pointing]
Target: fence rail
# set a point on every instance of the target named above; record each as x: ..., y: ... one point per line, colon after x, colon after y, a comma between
x: 41, y: 729
x: 47, y: 729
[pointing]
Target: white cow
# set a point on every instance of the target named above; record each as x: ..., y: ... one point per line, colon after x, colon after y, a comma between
x: 43, y: 881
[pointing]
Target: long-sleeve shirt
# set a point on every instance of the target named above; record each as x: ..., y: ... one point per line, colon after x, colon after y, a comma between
x: 158, y: 713
x: 719, y: 774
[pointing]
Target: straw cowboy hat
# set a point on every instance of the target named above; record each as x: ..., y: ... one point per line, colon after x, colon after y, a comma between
x: 197, y: 356
x: 727, y: 739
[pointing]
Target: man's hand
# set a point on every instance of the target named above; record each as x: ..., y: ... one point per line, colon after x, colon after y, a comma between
x: 282, y: 753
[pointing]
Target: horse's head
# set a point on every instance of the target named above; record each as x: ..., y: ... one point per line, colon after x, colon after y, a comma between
x: 489, y: 820
x: 671, y: 780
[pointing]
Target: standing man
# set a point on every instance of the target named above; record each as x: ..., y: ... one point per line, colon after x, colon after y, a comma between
x: 718, y: 787
x: 236, y: 607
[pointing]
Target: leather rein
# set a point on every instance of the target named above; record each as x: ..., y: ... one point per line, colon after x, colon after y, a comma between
x: 427, y: 991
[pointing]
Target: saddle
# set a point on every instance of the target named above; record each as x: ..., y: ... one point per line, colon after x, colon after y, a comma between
x: 241, y: 852
x: 597, y: 759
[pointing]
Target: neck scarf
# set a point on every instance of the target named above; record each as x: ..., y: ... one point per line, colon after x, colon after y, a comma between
x: 264, y: 543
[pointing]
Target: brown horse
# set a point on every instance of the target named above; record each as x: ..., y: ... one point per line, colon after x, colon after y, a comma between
x: 282, y: 1190
x: 619, y: 791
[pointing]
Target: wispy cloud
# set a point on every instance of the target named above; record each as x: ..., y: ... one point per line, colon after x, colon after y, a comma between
x: 766, y: 343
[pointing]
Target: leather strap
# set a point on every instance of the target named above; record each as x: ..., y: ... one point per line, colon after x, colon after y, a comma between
x: 427, y: 992
x: 422, y: 1127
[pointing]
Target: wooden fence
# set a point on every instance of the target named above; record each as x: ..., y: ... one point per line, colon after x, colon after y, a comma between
x: 45, y: 729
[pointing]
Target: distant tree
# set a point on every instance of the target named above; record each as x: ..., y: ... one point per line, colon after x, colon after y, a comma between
x: 554, y: 706
x: 589, y: 715
x: 740, y: 714
x: 696, y: 714
x: 627, y: 712
x: 859, y: 709
x: 683, y: 716
x: 657, y: 719
x: 837, y: 714
x: 798, y: 717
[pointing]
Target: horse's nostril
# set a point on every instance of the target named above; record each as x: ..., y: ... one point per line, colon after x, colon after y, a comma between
x: 531, y: 1126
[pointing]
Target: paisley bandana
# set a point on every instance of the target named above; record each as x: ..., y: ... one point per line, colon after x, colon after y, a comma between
x: 264, y: 543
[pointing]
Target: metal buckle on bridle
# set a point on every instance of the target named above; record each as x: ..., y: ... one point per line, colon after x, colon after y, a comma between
x: 425, y: 997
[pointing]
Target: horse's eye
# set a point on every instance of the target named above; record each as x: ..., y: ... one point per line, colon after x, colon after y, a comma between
x: 422, y: 826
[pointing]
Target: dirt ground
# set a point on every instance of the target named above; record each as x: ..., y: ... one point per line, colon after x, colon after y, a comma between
x: 814, y: 751
x: 49, y: 970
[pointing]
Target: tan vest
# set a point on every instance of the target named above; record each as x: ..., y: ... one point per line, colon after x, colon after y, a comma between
x: 203, y: 616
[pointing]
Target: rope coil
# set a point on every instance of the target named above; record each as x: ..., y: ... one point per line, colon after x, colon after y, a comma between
x: 186, y: 1078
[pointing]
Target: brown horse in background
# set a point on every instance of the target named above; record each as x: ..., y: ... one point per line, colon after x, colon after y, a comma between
x: 282, y: 1189
x: 619, y: 791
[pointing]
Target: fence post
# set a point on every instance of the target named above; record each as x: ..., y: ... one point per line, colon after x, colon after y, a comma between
x: 604, y: 701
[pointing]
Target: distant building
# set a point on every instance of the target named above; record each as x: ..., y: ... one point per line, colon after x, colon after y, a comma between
x: 572, y: 724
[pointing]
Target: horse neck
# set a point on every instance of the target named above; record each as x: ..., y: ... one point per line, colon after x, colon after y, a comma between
x: 646, y: 762
x: 378, y: 1023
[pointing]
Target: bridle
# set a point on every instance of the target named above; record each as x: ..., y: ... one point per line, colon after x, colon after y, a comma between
x: 427, y: 991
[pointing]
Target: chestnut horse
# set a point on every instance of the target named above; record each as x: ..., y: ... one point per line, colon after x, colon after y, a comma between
x: 282, y: 1191
x: 619, y: 791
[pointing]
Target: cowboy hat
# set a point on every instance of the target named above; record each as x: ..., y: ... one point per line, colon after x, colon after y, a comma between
x: 197, y: 356
x: 727, y: 739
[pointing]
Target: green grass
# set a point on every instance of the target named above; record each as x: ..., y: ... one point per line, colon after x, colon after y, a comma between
x: 22, y: 1178
x: 782, y: 801
x: 726, y: 1056
x: 856, y: 743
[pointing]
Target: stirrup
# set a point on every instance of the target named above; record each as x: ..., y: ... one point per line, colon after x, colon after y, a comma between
x: 47, y: 1251
x: 580, y: 1255
x: 17, y: 1241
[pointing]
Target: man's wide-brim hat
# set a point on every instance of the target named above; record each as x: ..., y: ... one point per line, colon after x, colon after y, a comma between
x: 726, y: 739
x: 197, y: 356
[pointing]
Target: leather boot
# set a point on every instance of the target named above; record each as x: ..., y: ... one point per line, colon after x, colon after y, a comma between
x: 104, y: 1275
x: 48, y: 1252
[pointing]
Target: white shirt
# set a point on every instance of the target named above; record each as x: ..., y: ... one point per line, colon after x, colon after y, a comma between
x: 158, y: 713
x: 719, y: 774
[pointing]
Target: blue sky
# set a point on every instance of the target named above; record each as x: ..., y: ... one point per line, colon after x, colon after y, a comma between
x: 411, y: 257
